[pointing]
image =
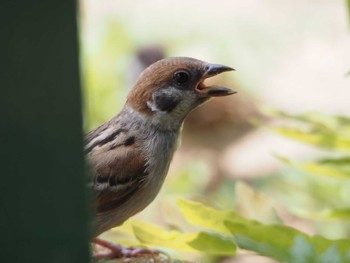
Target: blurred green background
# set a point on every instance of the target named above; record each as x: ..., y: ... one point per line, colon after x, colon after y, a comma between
x: 278, y: 151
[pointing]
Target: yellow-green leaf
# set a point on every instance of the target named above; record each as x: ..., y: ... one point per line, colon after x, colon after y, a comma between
x: 335, y: 168
x: 203, y: 242
x: 315, y: 128
x: 342, y: 213
x: 328, y: 140
x: 280, y: 242
x: 207, y: 217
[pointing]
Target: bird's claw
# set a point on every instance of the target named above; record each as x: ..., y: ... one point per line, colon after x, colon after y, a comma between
x: 118, y: 251
x: 137, y: 251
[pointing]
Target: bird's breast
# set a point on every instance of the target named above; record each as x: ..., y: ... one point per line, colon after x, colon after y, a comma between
x: 160, y: 150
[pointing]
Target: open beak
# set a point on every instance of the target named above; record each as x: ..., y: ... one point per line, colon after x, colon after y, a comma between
x: 214, y: 91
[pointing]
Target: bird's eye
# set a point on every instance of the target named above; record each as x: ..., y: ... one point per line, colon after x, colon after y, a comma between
x: 181, y: 76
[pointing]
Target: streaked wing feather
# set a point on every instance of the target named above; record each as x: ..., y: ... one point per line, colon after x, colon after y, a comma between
x: 118, y: 171
x: 122, y: 183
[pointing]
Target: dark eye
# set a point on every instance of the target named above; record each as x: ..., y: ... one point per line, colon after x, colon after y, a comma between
x: 181, y: 76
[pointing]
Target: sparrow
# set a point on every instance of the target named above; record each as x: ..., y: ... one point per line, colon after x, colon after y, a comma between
x: 129, y: 156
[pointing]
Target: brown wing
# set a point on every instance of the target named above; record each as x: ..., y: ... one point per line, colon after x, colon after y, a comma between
x: 118, y: 172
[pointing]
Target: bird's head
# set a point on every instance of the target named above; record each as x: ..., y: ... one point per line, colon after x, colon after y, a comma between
x: 169, y: 89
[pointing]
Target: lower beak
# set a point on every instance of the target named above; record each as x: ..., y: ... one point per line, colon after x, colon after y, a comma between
x: 214, y: 91
x: 218, y: 91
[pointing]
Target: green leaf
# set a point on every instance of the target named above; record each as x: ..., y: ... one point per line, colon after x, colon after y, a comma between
x: 280, y: 242
x: 285, y: 243
x: 302, y: 250
x: 331, y: 255
x: 348, y: 6
x: 335, y: 167
x: 342, y: 213
x: 207, y: 217
x: 318, y: 129
x: 203, y: 242
x: 325, y: 139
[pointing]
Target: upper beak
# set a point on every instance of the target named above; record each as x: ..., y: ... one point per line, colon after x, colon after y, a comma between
x: 214, y: 69
x: 214, y: 91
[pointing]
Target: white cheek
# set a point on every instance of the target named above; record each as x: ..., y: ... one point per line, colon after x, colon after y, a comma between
x: 152, y: 106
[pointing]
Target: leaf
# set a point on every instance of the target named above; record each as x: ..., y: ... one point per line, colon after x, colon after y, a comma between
x: 318, y: 129
x: 331, y: 255
x: 207, y: 217
x: 203, y: 242
x: 123, y: 234
x: 280, y: 242
x: 342, y: 213
x: 348, y: 6
x: 285, y: 243
x: 254, y: 205
x: 325, y: 139
x: 335, y: 168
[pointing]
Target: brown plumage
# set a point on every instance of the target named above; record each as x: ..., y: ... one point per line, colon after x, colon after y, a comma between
x: 130, y: 155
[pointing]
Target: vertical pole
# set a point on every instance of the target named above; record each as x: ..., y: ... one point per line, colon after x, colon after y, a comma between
x: 43, y: 211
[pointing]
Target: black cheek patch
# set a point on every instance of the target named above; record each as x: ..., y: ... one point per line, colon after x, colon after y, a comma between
x: 166, y: 102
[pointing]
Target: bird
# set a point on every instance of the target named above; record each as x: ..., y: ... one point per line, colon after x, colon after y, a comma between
x: 129, y: 156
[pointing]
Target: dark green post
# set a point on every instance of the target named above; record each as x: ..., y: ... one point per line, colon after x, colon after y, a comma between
x: 43, y: 211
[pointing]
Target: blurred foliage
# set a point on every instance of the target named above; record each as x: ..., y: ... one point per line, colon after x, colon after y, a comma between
x: 226, y: 229
x: 202, y: 241
x: 331, y: 172
x: 276, y: 241
x: 103, y: 77
x: 317, y: 129
x: 334, y: 167
x: 348, y: 5
x: 256, y: 225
